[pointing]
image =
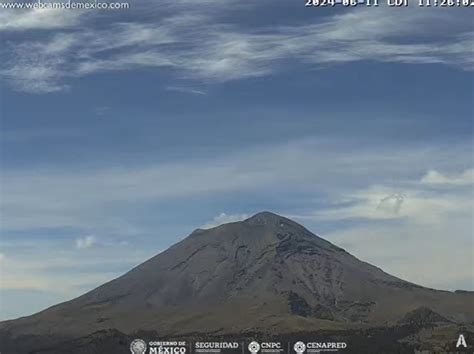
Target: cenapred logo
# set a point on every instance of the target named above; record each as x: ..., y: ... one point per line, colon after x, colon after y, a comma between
x: 254, y: 347
x: 318, y: 347
x: 138, y: 346
x: 299, y: 347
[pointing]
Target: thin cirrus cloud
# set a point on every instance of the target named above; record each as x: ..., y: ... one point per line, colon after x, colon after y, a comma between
x: 204, y: 48
x: 43, y: 199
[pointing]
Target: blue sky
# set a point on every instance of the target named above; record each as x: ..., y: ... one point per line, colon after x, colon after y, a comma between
x: 122, y: 131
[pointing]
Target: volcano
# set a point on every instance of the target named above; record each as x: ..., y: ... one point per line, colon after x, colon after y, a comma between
x: 266, y: 274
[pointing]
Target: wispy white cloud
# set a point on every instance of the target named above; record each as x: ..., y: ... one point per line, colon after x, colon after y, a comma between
x: 402, y: 227
x: 86, y: 242
x: 184, y: 89
x: 34, y: 19
x: 38, y: 66
x: 408, y: 200
x: 43, y: 199
x: 224, y: 218
x: 437, y: 178
x: 203, y: 48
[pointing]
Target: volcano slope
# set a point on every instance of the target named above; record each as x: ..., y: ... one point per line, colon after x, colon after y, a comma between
x: 266, y: 275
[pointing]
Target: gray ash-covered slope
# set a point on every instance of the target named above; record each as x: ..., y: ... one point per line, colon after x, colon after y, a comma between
x: 265, y: 274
